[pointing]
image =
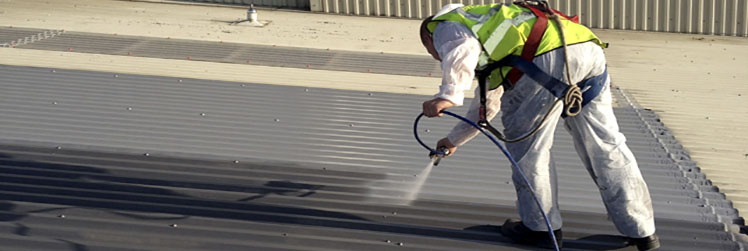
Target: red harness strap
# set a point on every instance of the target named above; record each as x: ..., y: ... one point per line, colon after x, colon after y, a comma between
x: 533, y: 41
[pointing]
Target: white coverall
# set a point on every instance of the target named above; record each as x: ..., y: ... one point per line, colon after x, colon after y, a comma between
x: 595, y: 132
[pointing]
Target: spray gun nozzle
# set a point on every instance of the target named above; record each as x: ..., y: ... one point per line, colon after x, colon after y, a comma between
x: 437, y: 156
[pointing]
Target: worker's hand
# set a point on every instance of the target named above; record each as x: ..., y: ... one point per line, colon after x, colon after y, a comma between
x: 432, y: 108
x: 445, y: 143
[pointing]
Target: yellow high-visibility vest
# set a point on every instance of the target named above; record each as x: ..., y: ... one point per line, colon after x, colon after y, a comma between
x: 503, y: 30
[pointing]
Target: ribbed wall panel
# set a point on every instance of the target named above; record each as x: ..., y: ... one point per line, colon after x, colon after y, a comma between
x: 295, y: 4
x: 712, y: 17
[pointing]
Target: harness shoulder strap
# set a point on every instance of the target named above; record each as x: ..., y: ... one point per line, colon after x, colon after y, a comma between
x: 532, y: 43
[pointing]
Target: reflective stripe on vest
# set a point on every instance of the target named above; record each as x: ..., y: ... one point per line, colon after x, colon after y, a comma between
x: 503, y: 30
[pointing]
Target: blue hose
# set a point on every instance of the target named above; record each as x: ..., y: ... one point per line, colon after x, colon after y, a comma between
x: 509, y: 156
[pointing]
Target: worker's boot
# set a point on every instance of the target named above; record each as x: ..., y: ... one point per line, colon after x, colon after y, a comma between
x: 519, y: 233
x: 651, y: 242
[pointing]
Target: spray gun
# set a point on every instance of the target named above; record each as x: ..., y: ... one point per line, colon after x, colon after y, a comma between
x: 437, y: 156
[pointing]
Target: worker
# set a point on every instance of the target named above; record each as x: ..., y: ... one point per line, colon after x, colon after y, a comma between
x: 466, y: 37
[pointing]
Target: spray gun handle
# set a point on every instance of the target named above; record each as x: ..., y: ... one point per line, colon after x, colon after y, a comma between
x: 438, y: 155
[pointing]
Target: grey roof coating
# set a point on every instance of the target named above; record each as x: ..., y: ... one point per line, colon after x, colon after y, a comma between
x: 235, y: 53
x: 108, y: 161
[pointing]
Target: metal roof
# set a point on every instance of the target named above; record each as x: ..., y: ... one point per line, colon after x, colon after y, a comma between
x: 218, y: 51
x: 109, y: 161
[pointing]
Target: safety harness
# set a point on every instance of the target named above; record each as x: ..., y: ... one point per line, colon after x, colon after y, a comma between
x: 571, y: 94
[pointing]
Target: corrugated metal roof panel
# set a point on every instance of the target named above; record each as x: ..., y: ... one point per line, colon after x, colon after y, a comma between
x: 318, y: 169
x: 280, y: 56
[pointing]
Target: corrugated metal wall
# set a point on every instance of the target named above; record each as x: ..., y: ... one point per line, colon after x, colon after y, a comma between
x: 296, y: 4
x: 719, y: 17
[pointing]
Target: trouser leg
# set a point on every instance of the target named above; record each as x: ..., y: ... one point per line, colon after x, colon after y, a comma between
x: 602, y: 148
x: 522, y: 109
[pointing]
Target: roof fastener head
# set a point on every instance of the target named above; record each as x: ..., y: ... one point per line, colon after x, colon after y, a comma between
x: 129, y: 108
x: 277, y: 120
x: 236, y: 162
x: 202, y: 114
x: 173, y: 225
x: 146, y: 154
x: 61, y: 216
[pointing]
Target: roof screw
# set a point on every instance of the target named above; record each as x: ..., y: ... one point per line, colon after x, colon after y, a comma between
x: 61, y: 216
x: 236, y: 162
x: 53, y: 71
x: 306, y: 89
x: 202, y: 114
x: 146, y: 154
x: 707, y: 117
x: 54, y: 102
x: 400, y: 243
x: 180, y: 81
x: 129, y: 108
x: 325, y: 168
x: 277, y: 120
x: 173, y: 225
x: 371, y: 94
x: 428, y: 130
x: 351, y: 125
x: 58, y: 148
x: 243, y: 85
x: 388, y: 241
x: 116, y: 76
x: 285, y: 234
x: 394, y: 213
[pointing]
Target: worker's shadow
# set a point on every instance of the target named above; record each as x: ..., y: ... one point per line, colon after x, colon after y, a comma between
x: 29, y: 183
x: 125, y: 186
